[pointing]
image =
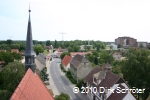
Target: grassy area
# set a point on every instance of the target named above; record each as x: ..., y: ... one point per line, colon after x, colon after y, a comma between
x: 51, y: 92
x: 46, y: 52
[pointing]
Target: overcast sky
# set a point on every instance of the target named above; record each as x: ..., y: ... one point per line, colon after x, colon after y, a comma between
x: 102, y: 20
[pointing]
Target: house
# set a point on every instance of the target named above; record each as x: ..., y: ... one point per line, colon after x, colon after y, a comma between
x: 2, y: 50
x: 61, y: 50
x: 31, y: 87
x: 66, y: 62
x: 14, y: 50
x: 116, y: 56
x: 80, y: 67
x: 56, y: 54
x: 49, y: 47
x: 106, y: 84
x: 79, y: 53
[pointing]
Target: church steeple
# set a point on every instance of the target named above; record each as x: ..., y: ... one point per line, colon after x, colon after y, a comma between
x: 29, y: 52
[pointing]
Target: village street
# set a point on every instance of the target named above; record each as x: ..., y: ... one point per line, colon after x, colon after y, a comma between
x: 61, y: 82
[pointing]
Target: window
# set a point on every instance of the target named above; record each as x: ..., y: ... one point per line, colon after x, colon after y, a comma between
x: 29, y: 61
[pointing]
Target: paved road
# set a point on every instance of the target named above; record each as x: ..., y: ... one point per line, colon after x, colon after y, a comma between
x: 62, y: 83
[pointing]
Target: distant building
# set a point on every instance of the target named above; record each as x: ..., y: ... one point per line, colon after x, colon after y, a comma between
x: 127, y: 42
x: 142, y: 44
x: 14, y: 50
x: 2, y: 50
x: 114, y: 47
x: 117, y: 56
x: 79, y: 53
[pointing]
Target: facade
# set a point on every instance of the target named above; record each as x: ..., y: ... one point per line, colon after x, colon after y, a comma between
x: 114, y: 47
x: 29, y: 52
x: 66, y: 62
x: 126, y: 42
x: 102, y: 80
x: 80, y: 67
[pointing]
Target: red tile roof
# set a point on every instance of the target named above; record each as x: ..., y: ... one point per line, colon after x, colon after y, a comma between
x: 66, y: 60
x: 31, y: 87
x: 110, y: 80
x: 89, y: 77
x: 2, y: 50
x: 15, y: 50
x: 80, y: 53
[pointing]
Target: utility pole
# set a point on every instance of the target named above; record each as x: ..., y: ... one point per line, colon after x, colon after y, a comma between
x: 62, y: 37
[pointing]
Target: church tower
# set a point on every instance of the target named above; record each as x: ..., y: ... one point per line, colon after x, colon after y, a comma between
x: 29, y: 52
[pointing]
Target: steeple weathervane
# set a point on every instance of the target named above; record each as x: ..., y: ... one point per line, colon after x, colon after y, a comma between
x: 29, y: 8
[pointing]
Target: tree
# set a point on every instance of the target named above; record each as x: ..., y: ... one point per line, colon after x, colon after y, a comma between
x: 96, y: 61
x: 105, y: 57
x: 63, y: 55
x: 88, y: 47
x: 48, y: 43
x: 44, y: 75
x: 35, y: 42
x: 70, y: 49
x: 62, y: 96
x: 136, y: 69
x: 10, y: 77
x: 16, y: 56
x: 9, y: 41
x: 22, y: 47
x: 38, y: 49
x: 76, y: 48
x: 55, y: 44
x: 6, y: 57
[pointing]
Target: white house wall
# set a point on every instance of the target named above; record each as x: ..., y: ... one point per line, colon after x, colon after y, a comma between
x: 129, y: 96
x: 84, y: 70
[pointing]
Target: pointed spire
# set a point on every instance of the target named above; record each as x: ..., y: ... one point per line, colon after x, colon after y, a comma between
x: 29, y: 42
x: 29, y: 52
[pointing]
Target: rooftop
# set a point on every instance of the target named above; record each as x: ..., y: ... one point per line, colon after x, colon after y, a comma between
x: 31, y: 87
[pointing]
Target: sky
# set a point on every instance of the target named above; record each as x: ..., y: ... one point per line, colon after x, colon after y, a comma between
x: 103, y: 20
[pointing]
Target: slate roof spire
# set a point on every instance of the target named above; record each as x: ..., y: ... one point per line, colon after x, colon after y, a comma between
x: 29, y: 52
x: 29, y: 43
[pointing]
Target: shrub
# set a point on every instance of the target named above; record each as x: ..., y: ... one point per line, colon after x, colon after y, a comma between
x: 68, y: 74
